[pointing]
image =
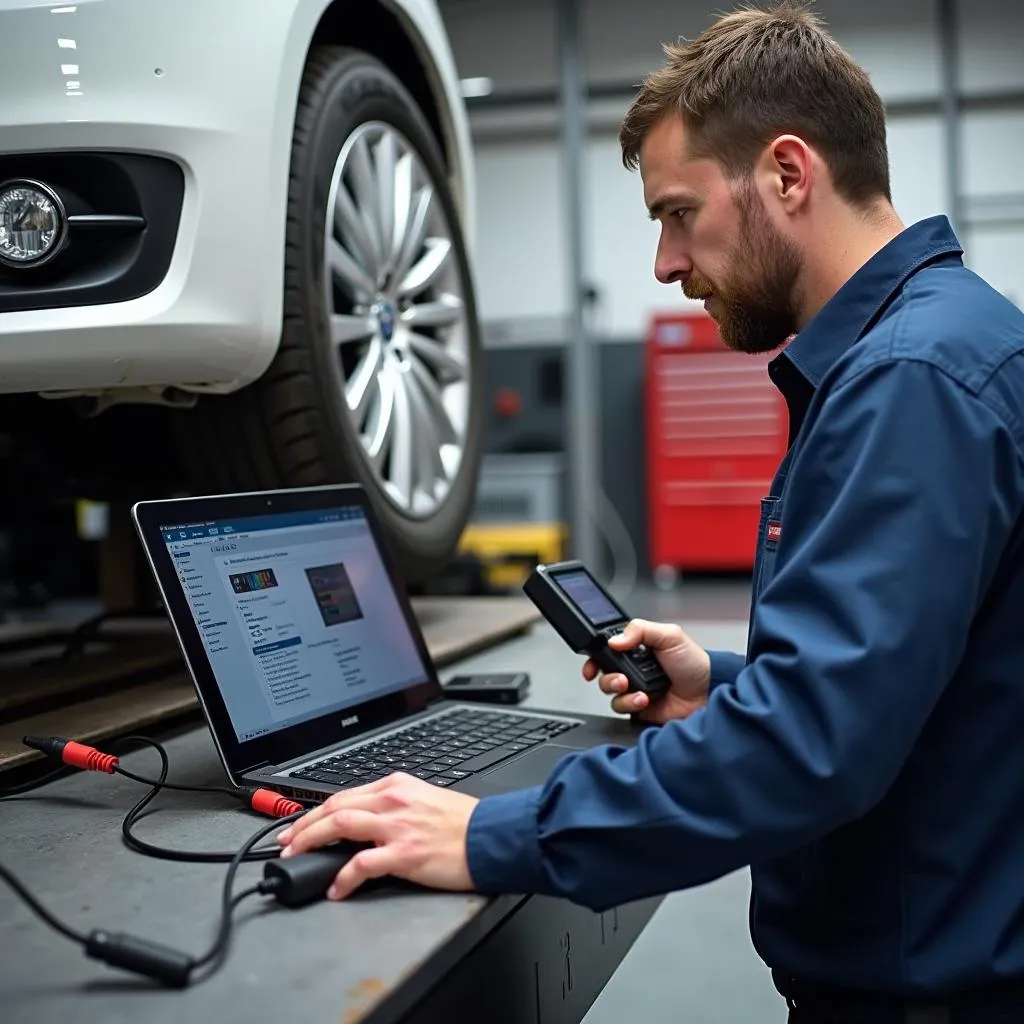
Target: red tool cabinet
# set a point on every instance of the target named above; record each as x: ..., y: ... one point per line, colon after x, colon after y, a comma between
x: 716, y: 430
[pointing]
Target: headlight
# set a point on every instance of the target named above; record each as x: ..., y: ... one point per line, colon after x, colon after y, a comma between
x: 33, y: 224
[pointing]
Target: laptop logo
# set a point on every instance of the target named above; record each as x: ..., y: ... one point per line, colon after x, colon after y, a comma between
x: 351, y: 720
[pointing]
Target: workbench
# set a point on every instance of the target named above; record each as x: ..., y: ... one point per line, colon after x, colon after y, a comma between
x: 397, y: 955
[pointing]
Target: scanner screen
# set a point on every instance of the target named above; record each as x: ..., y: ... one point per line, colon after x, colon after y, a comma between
x: 591, y: 600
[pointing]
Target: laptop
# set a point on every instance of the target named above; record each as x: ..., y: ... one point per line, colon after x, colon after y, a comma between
x: 309, y: 664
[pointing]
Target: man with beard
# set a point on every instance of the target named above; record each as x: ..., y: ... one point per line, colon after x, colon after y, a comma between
x: 861, y: 755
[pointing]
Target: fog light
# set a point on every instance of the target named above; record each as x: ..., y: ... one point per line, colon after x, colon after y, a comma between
x: 33, y: 224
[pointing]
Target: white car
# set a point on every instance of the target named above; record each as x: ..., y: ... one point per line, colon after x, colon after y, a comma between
x: 234, y: 255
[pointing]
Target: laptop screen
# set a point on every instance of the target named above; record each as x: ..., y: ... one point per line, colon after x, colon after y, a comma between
x: 296, y: 612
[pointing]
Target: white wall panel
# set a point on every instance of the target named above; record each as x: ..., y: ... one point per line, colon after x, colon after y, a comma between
x: 522, y: 244
x: 997, y: 254
x: 916, y: 167
x: 993, y: 151
x: 622, y: 245
x: 521, y: 264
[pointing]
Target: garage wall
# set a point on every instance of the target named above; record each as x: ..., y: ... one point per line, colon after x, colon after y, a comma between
x: 521, y: 241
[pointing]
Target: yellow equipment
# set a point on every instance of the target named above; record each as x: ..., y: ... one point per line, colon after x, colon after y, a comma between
x: 508, y: 551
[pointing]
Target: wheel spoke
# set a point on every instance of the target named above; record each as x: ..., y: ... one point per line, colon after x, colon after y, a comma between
x: 447, y: 364
x: 427, y: 270
x: 402, y: 208
x: 365, y: 189
x: 351, y: 227
x: 414, y: 236
x: 443, y: 428
x: 363, y: 382
x: 385, y: 158
x: 428, y: 448
x: 352, y: 277
x: 346, y: 328
x: 403, y: 444
x: 384, y: 424
x: 442, y: 313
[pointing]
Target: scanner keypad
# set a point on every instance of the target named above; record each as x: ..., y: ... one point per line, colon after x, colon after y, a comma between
x: 641, y: 656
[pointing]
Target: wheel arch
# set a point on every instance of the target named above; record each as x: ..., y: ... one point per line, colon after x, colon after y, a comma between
x: 386, y: 31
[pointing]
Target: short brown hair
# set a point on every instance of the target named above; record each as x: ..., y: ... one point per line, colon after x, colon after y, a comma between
x: 758, y: 73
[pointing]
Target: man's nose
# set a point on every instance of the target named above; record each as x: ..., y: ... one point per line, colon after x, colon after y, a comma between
x: 672, y: 265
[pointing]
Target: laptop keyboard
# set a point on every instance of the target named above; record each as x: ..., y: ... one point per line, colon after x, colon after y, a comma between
x: 442, y: 750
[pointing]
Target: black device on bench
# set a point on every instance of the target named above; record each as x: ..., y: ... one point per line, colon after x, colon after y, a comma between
x: 586, y: 616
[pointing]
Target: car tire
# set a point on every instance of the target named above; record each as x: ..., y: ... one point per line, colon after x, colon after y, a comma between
x: 294, y: 426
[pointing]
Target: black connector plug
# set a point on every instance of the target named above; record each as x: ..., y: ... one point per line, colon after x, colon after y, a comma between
x: 140, y: 956
x: 294, y: 881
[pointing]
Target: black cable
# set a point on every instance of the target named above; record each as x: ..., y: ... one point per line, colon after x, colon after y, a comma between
x: 228, y: 902
x: 39, y: 909
x: 141, y: 956
x: 177, y: 787
x: 162, y: 963
x: 133, y: 816
x: 220, y: 944
x: 161, y: 783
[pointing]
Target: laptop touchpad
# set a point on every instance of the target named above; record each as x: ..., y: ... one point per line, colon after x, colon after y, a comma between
x: 531, y: 769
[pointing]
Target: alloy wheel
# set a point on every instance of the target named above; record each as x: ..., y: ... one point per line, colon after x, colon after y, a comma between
x: 396, y: 316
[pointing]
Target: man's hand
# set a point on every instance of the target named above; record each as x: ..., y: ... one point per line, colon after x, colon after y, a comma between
x: 419, y: 832
x: 685, y: 663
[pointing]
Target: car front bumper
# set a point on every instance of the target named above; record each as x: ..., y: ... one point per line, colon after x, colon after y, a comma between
x: 207, y: 89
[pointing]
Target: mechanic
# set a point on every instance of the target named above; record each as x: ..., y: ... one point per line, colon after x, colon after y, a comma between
x: 862, y: 755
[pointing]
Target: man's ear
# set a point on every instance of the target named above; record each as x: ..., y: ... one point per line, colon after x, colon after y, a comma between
x: 788, y: 169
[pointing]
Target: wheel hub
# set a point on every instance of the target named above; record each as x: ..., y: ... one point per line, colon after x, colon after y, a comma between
x: 385, y: 313
x: 397, y: 318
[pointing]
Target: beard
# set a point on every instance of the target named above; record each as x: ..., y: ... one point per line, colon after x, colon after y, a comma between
x: 756, y: 311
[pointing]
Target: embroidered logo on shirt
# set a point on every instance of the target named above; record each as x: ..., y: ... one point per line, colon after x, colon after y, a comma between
x: 774, y: 531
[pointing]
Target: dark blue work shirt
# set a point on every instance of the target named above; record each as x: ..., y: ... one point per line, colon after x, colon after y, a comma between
x: 864, y: 757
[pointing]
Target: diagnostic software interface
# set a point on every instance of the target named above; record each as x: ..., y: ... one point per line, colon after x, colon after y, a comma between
x: 297, y: 614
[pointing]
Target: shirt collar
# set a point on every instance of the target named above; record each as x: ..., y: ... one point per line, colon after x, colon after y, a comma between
x: 845, y: 317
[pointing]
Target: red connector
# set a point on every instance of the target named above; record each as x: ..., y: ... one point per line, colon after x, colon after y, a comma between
x: 78, y: 755
x: 273, y: 805
x: 263, y: 801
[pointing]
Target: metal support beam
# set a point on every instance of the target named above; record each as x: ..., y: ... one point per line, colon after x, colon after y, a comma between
x: 583, y: 426
x: 620, y: 93
x: 949, y: 58
x: 998, y: 211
